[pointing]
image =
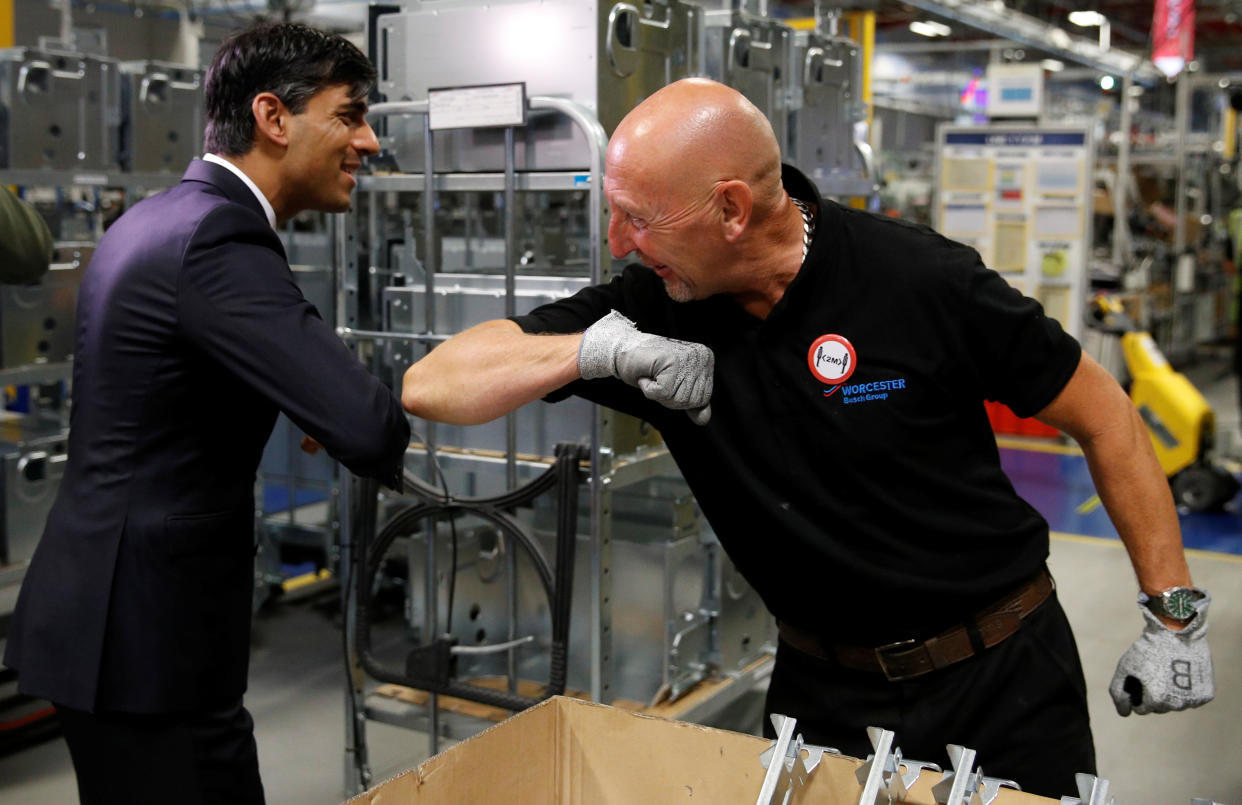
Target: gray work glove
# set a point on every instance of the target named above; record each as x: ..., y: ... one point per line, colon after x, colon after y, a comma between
x: 1165, y: 670
x: 676, y: 374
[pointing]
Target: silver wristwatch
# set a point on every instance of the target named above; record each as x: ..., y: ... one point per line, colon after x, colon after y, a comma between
x: 1177, y: 603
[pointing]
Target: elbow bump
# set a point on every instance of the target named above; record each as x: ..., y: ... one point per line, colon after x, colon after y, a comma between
x: 411, y: 402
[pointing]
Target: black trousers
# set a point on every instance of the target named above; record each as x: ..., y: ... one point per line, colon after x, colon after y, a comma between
x: 1021, y: 705
x: 200, y: 758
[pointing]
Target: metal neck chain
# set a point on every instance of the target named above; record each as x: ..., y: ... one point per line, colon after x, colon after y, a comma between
x: 808, y: 225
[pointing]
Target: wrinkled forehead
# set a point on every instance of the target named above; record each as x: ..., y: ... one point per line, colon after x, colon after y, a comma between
x: 635, y: 192
x: 635, y: 169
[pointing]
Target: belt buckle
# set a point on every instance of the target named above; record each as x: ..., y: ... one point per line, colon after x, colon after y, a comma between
x: 881, y: 656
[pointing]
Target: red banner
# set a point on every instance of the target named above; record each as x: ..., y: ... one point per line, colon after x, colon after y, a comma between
x: 1173, y: 35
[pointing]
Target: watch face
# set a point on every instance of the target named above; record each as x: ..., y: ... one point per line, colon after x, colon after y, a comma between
x: 1180, y: 604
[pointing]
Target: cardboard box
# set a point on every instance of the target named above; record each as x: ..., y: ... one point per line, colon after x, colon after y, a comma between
x: 569, y: 752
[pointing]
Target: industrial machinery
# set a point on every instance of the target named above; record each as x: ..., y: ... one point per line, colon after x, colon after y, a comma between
x: 824, y: 126
x: 69, y: 122
x: 59, y: 110
x: 36, y: 346
x: 162, y: 124
x: 808, y: 83
x: 603, y: 56
x: 1179, y: 419
x: 754, y: 55
x: 510, y: 216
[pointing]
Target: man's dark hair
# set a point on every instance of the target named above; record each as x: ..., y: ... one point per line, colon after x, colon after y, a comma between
x: 289, y: 60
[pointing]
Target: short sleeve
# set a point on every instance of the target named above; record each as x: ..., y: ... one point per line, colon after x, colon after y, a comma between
x: 1023, y: 356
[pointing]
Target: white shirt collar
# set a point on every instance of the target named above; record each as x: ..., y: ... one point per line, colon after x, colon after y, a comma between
x: 263, y: 202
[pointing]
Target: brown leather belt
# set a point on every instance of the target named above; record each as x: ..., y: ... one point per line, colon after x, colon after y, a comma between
x: 910, y: 658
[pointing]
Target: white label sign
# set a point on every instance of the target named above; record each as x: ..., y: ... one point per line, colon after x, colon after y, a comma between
x: 476, y: 107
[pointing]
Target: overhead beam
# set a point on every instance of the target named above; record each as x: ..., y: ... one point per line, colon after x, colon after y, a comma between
x: 994, y: 18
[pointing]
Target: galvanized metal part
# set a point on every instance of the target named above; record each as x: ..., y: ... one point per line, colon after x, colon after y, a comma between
x: 787, y: 769
x: 960, y: 782
x: 1092, y: 790
x: 886, y: 775
x: 966, y: 785
x: 899, y: 782
x: 872, y: 773
x: 989, y: 789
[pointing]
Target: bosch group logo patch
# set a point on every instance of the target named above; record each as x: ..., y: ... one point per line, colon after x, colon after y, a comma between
x: 832, y: 359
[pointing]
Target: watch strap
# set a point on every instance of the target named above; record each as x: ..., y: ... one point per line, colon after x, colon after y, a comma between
x: 1177, y: 603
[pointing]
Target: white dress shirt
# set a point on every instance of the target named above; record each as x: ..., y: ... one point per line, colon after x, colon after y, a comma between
x: 263, y: 202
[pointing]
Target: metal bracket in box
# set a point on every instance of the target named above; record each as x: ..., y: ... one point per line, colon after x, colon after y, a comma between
x: 882, y: 774
x: 787, y: 769
x: 964, y: 785
x: 1092, y: 790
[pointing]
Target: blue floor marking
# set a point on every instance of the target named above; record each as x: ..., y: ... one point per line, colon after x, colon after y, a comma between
x: 1058, y: 486
x: 276, y: 498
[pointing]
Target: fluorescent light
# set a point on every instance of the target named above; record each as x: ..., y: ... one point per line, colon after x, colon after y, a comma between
x: 1052, y: 65
x: 1086, y: 19
x: 1107, y: 82
x: 929, y: 28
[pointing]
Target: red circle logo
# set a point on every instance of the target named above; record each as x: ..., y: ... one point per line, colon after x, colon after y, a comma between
x: 832, y: 359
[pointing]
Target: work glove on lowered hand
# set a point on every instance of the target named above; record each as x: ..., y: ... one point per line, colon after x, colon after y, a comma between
x: 1165, y: 670
x: 676, y: 374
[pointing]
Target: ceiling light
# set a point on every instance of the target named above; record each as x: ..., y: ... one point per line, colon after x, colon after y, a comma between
x: 1091, y: 18
x: 1052, y: 65
x: 1086, y: 18
x: 929, y: 28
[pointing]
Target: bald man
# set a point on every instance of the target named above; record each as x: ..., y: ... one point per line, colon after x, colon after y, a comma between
x: 818, y: 373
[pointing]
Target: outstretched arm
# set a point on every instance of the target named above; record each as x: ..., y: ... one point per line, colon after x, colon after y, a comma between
x: 491, y: 369
x: 487, y: 371
x: 1095, y: 411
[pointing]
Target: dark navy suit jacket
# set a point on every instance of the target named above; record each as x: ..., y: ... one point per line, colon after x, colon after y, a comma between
x: 191, y: 337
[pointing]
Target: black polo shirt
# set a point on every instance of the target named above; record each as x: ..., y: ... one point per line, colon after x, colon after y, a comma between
x: 849, y: 469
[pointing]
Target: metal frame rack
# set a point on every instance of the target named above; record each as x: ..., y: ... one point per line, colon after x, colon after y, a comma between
x: 609, y: 471
x: 611, y: 467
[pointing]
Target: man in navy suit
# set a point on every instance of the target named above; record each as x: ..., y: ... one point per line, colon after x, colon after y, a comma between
x: 134, y: 618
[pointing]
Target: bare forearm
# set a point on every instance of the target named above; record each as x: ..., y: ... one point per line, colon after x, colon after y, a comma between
x: 486, y: 372
x: 1136, y: 495
x: 1127, y: 476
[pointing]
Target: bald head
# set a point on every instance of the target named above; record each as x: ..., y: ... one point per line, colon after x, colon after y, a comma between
x: 695, y: 133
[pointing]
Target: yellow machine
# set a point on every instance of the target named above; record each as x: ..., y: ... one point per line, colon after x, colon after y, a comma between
x: 1179, y: 420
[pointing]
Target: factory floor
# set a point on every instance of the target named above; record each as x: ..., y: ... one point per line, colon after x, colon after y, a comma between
x: 296, y: 683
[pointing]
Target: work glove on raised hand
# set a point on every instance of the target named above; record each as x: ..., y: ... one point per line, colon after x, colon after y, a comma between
x: 676, y: 374
x: 1165, y: 670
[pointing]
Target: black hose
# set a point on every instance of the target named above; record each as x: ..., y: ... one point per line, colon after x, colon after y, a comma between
x: 506, y: 500
x: 567, y: 458
x: 558, y: 585
x: 363, y: 506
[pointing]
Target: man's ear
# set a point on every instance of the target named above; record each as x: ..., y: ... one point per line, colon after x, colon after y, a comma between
x: 736, y: 205
x: 271, y: 119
